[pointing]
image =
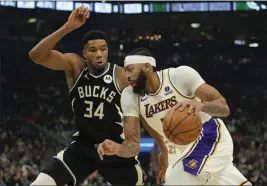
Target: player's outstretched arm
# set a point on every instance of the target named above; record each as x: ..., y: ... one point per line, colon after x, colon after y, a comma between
x: 43, y: 52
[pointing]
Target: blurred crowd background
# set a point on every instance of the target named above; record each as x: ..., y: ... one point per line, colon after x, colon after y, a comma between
x: 227, y: 48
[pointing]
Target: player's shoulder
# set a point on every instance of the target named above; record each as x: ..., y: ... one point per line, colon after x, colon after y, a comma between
x: 76, y: 62
x: 120, y: 72
x: 181, y: 70
x: 121, y: 78
x: 128, y: 90
x: 75, y: 59
x: 128, y: 97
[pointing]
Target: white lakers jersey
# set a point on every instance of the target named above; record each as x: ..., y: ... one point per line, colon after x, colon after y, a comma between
x: 176, y: 84
x: 211, y: 154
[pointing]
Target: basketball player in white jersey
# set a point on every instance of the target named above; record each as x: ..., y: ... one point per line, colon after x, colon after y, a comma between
x: 206, y: 161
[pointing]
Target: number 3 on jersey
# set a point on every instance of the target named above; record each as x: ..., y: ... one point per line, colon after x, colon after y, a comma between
x: 99, y: 111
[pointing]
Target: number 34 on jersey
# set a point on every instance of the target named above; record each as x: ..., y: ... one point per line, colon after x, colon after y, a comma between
x: 94, y: 110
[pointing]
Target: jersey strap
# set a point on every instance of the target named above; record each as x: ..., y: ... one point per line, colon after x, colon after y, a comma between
x: 115, y: 79
x: 173, y: 86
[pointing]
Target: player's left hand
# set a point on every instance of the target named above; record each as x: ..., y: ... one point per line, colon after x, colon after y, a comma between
x: 108, y: 147
x: 163, y: 164
x: 194, y: 107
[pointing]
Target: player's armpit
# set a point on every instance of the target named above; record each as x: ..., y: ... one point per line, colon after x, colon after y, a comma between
x: 213, y: 102
x: 131, y: 146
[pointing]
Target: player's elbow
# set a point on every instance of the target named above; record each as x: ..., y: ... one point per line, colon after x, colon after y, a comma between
x: 37, y: 57
x: 227, y: 111
x: 137, y: 151
x: 34, y: 55
x: 226, y: 108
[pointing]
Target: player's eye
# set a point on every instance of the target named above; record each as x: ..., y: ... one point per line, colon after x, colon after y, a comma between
x: 92, y: 50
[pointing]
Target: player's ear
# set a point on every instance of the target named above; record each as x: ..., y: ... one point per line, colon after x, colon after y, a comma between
x: 84, y: 54
x: 146, y: 67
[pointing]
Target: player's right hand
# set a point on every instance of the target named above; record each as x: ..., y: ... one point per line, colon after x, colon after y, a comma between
x: 77, y: 18
x: 108, y: 147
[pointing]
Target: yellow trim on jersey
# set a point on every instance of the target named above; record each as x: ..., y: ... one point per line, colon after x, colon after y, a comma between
x: 161, y: 85
x: 243, y: 182
x: 176, y: 90
x: 187, y: 153
x: 216, y: 145
x: 139, y: 105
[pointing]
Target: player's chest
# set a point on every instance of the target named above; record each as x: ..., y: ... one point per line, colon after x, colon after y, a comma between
x: 156, y: 106
x: 85, y: 91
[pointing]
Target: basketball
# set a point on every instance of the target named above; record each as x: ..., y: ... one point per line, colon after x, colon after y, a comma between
x: 180, y: 127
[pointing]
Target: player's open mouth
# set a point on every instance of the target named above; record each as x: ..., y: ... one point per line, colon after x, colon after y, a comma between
x: 132, y: 83
x: 100, y: 63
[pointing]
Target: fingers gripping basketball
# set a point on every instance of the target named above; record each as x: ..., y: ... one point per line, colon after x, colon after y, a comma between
x: 180, y: 127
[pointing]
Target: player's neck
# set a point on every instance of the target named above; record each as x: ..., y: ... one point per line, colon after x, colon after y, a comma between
x: 152, y: 83
x: 95, y: 71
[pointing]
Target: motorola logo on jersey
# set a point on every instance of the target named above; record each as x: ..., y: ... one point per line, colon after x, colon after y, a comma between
x: 97, y: 92
x: 107, y: 79
x: 161, y: 106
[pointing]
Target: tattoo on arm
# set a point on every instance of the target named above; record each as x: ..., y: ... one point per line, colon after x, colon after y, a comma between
x: 70, y: 79
x: 131, y: 146
x: 215, y: 110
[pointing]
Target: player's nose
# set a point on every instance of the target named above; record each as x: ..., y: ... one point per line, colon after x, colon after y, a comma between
x: 98, y: 53
x: 128, y: 76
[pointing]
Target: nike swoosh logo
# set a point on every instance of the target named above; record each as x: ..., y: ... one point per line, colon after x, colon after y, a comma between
x: 86, y: 76
x: 143, y: 99
x: 119, y: 123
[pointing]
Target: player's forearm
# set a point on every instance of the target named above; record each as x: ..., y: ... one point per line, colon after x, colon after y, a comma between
x: 217, y: 108
x: 44, y: 47
x: 131, y: 146
x: 128, y: 149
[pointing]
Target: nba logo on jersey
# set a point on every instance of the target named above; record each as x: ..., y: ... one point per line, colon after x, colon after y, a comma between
x: 167, y: 90
x: 107, y: 79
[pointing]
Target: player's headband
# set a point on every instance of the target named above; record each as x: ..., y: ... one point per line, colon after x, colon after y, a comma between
x: 139, y: 59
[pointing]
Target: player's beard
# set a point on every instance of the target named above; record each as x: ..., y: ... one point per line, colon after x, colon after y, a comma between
x: 139, y: 88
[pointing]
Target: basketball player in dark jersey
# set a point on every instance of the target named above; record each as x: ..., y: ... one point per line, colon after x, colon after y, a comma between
x: 95, y: 86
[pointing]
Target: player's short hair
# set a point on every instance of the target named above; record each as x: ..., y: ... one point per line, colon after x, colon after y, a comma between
x: 93, y: 35
x: 141, y: 51
x: 144, y: 52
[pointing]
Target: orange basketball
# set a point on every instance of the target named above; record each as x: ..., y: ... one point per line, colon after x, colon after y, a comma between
x: 180, y: 127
